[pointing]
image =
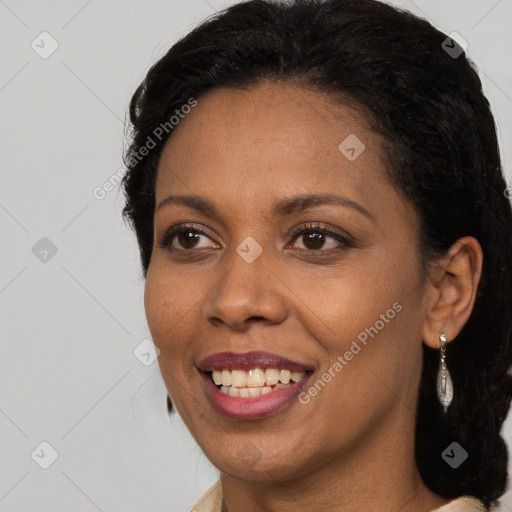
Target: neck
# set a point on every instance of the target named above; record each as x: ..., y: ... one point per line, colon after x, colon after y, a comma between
x: 381, y: 474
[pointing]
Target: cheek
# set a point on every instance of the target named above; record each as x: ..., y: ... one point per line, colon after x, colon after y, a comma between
x: 170, y: 300
x: 370, y: 316
x: 165, y: 319
x: 343, y: 302
x: 156, y: 305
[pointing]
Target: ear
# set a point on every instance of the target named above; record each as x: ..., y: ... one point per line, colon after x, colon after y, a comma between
x: 451, y: 290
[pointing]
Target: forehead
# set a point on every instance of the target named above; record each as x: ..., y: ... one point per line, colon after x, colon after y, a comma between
x: 271, y: 138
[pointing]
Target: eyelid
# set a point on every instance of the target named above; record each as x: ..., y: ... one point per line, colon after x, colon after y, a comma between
x: 325, y: 228
x: 170, y: 233
x: 343, y: 238
x: 309, y: 227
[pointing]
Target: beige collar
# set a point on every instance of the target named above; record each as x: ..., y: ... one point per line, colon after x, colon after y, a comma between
x: 211, y: 501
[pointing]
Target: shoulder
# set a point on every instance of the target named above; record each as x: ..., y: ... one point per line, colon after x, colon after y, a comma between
x: 211, y: 500
x: 463, y: 504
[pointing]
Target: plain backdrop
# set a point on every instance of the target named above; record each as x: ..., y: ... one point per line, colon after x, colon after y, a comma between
x: 82, y: 418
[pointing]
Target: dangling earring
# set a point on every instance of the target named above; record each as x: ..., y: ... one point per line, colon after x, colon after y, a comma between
x: 169, y: 404
x: 444, y: 381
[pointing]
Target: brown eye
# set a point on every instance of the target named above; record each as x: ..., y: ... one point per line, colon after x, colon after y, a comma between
x: 314, y: 240
x: 317, y: 238
x: 185, y: 238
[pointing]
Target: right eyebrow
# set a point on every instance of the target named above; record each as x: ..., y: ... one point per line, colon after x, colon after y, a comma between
x: 194, y: 202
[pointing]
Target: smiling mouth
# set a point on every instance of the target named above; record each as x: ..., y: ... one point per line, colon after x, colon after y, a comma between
x: 240, y: 383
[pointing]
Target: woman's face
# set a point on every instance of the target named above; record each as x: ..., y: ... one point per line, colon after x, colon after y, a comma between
x: 346, y: 307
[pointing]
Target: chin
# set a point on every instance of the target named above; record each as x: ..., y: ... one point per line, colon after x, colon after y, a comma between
x: 251, y: 462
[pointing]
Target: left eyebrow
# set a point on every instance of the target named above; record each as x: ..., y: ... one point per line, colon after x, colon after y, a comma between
x: 305, y: 202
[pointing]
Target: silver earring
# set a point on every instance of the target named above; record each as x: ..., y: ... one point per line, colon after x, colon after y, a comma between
x: 444, y: 381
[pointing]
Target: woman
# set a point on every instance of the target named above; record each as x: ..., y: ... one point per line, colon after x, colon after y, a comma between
x: 324, y: 231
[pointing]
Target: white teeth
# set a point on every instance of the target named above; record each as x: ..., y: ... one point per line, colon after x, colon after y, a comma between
x: 255, y: 378
x: 238, y: 378
x: 233, y: 391
x: 253, y: 391
x: 217, y: 377
x: 284, y: 376
x: 296, y: 376
x: 248, y: 392
x: 255, y: 382
x: 244, y: 392
x: 271, y: 376
x: 226, y: 378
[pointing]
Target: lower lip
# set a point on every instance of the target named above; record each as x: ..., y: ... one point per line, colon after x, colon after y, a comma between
x: 251, y: 408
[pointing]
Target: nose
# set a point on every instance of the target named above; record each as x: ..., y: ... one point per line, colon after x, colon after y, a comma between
x: 246, y: 293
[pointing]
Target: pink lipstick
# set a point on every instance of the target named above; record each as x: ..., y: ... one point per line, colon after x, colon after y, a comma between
x: 252, y: 385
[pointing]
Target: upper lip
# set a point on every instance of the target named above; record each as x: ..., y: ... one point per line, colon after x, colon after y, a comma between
x: 250, y: 360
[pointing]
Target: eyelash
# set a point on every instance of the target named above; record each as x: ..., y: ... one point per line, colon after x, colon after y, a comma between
x: 301, y: 230
x: 315, y: 227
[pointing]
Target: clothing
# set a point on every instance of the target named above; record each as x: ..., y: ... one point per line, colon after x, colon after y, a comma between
x: 211, y: 501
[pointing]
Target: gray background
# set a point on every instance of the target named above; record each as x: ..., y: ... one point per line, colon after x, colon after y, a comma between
x: 72, y: 319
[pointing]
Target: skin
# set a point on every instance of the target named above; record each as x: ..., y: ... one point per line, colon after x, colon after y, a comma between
x: 351, y: 447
